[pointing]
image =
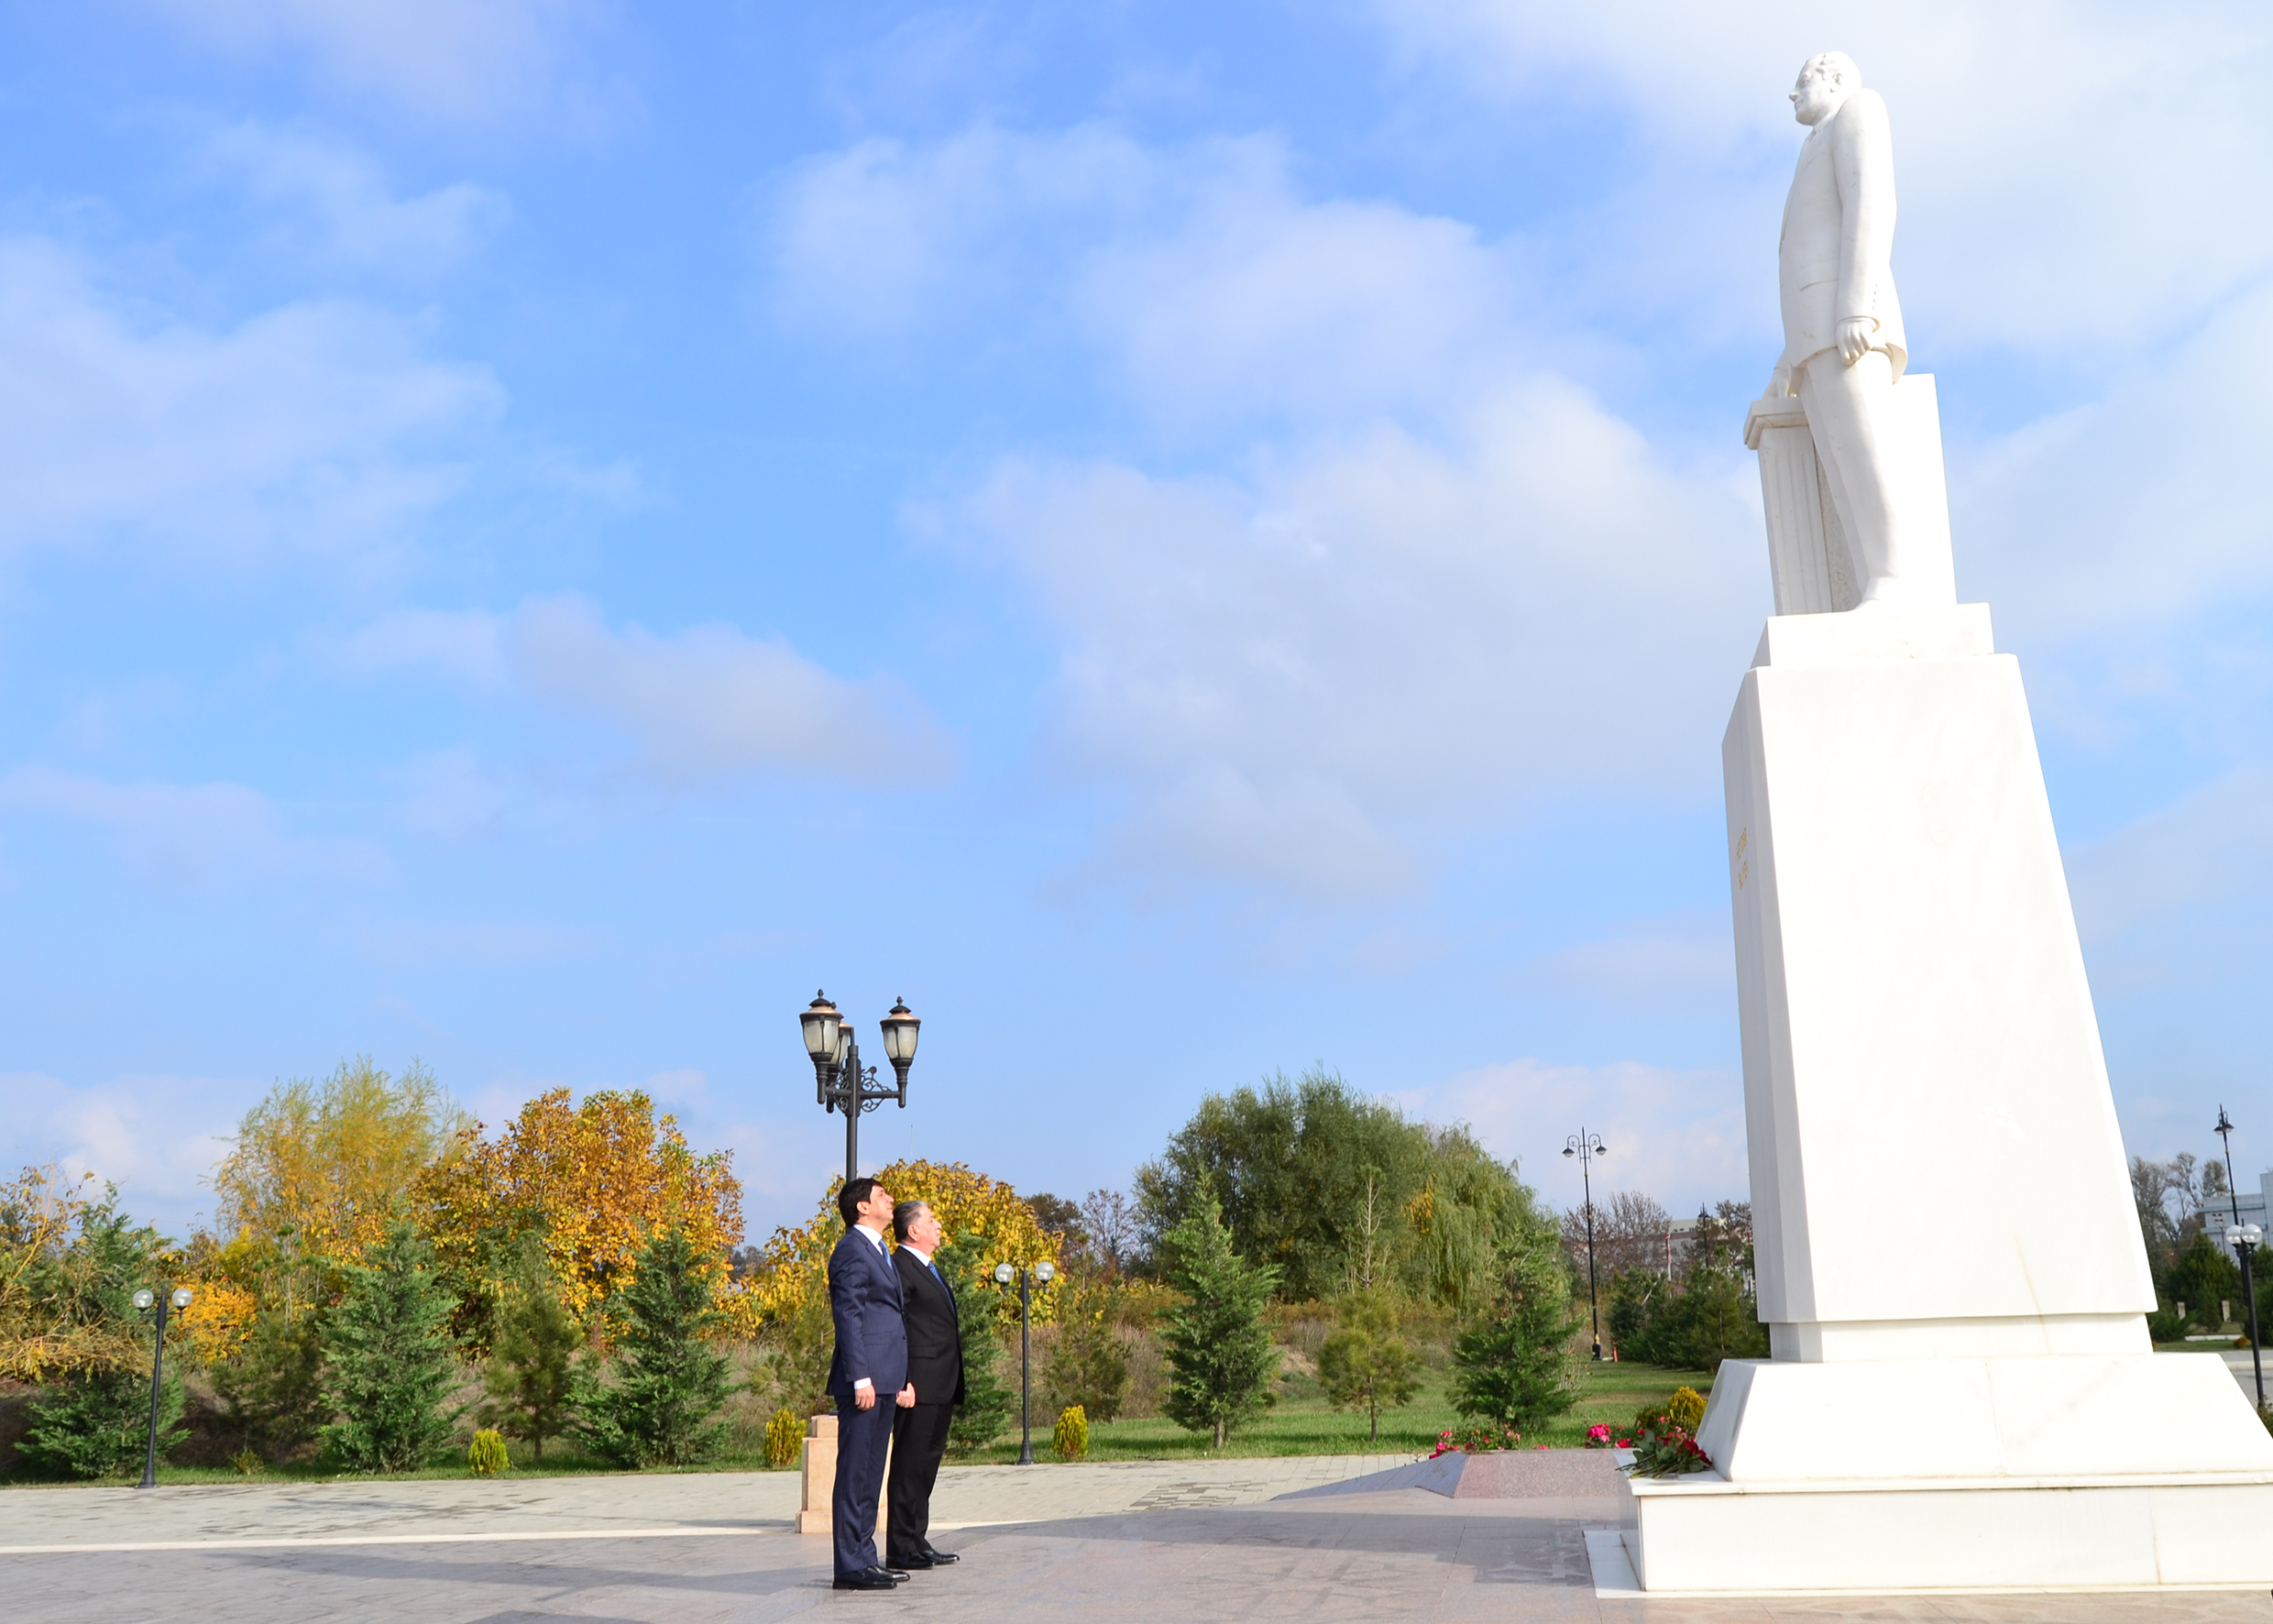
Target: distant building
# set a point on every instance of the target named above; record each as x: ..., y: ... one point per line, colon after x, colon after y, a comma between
x: 2217, y: 1212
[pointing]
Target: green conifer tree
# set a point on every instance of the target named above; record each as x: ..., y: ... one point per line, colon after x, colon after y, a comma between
x: 1366, y: 1363
x: 95, y: 1421
x: 1512, y: 1364
x: 389, y: 1362
x: 531, y: 1376
x: 989, y: 1401
x: 1222, y: 1367
x: 667, y: 1381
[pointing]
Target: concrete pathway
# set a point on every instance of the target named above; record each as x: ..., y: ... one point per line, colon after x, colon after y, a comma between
x: 687, y: 1505
x: 1215, y: 1545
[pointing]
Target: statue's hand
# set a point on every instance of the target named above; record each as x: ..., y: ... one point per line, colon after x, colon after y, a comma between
x: 1854, y: 337
x: 1779, y: 383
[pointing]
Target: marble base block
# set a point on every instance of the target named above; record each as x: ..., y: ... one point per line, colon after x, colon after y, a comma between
x: 1961, y: 1393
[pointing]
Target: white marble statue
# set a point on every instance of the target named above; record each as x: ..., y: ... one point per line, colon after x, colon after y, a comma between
x: 1844, y: 345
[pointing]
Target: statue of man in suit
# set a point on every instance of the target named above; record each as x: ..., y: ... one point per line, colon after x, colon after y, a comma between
x: 935, y: 1373
x: 1843, y: 343
x: 870, y: 1360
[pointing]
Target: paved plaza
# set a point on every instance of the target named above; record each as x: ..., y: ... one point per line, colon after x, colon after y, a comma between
x: 1156, y: 1542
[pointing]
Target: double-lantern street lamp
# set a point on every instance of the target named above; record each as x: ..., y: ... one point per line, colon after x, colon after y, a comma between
x: 838, y: 1083
x: 143, y: 1301
x: 2245, y: 1238
x: 1041, y: 1274
x: 1585, y: 1147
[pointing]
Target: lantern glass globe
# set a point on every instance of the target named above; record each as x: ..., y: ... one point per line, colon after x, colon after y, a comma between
x: 144, y: 1298
x: 181, y: 1297
x: 1005, y: 1274
x: 822, y: 1021
x: 1045, y: 1272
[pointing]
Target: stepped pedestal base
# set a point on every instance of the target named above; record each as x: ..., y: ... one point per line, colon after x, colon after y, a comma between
x: 2084, y: 1472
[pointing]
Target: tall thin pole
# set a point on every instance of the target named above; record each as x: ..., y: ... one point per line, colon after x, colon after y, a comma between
x: 849, y: 1076
x: 2224, y: 1131
x: 1025, y: 1376
x: 1586, y: 1183
x: 157, y: 1362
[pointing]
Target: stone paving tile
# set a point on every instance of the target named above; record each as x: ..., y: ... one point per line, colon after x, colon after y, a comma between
x: 526, y: 1506
x: 1405, y: 1556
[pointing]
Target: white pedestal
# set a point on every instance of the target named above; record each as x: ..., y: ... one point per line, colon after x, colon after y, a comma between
x: 1961, y: 1391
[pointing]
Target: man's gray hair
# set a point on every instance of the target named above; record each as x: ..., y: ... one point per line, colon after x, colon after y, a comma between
x: 903, y: 1218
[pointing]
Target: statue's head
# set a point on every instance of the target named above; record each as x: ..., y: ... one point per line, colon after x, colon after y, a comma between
x: 1826, y: 80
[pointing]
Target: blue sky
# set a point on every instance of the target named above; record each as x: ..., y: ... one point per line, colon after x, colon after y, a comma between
x: 1186, y: 540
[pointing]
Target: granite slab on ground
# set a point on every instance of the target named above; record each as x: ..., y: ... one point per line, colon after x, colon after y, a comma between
x: 1510, y: 1475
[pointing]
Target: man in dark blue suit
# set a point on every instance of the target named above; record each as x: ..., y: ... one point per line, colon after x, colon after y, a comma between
x: 870, y: 1361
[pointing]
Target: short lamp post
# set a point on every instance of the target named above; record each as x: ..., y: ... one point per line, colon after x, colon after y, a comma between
x: 838, y: 1083
x: 1585, y: 1147
x: 2245, y: 1238
x: 1041, y: 1274
x: 143, y: 1301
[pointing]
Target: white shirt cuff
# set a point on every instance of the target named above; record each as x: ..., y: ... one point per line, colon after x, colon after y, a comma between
x: 862, y: 1382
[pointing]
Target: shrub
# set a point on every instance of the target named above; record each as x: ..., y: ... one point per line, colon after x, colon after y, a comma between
x: 488, y: 1456
x: 273, y: 1383
x: 390, y: 1360
x: 1476, y: 1440
x: 530, y: 1378
x: 1087, y: 1365
x: 668, y: 1382
x: 1366, y: 1364
x: 1686, y: 1408
x: 783, y: 1438
x: 1070, y: 1437
x: 96, y: 1424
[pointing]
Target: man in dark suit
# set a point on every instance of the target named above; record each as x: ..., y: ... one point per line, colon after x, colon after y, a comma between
x: 871, y: 1360
x: 935, y: 1372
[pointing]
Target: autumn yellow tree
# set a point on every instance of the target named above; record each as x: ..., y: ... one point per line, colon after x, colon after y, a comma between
x: 979, y: 1213
x: 318, y: 1169
x: 587, y: 1184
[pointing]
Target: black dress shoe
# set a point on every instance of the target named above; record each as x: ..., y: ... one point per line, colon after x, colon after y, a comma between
x: 868, y: 1578
x: 910, y: 1561
x: 941, y: 1558
x: 899, y: 1575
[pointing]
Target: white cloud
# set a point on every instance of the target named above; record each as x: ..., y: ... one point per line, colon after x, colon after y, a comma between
x: 1676, y: 1135
x: 2130, y: 508
x: 185, y: 834
x: 1304, y: 674
x: 2212, y: 845
x: 1685, y: 963
x: 875, y: 238
x: 703, y: 703
x: 334, y: 205
x: 446, y: 60
x: 156, y: 1137
x: 308, y: 431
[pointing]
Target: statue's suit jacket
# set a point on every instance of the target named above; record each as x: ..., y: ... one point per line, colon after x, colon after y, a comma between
x: 1835, y: 259
x: 865, y: 1300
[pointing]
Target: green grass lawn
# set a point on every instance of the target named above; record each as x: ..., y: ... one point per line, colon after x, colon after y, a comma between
x: 1303, y: 1423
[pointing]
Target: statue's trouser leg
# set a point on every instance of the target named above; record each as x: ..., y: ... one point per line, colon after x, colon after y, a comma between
x: 1865, y: 461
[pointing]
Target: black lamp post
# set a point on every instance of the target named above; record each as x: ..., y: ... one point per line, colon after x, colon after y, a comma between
x: 838, y: 1083
x: 143, y: 1301
x: 2245, y: 1238
x: 1041, y: 1274
x: 1585, y: 1147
